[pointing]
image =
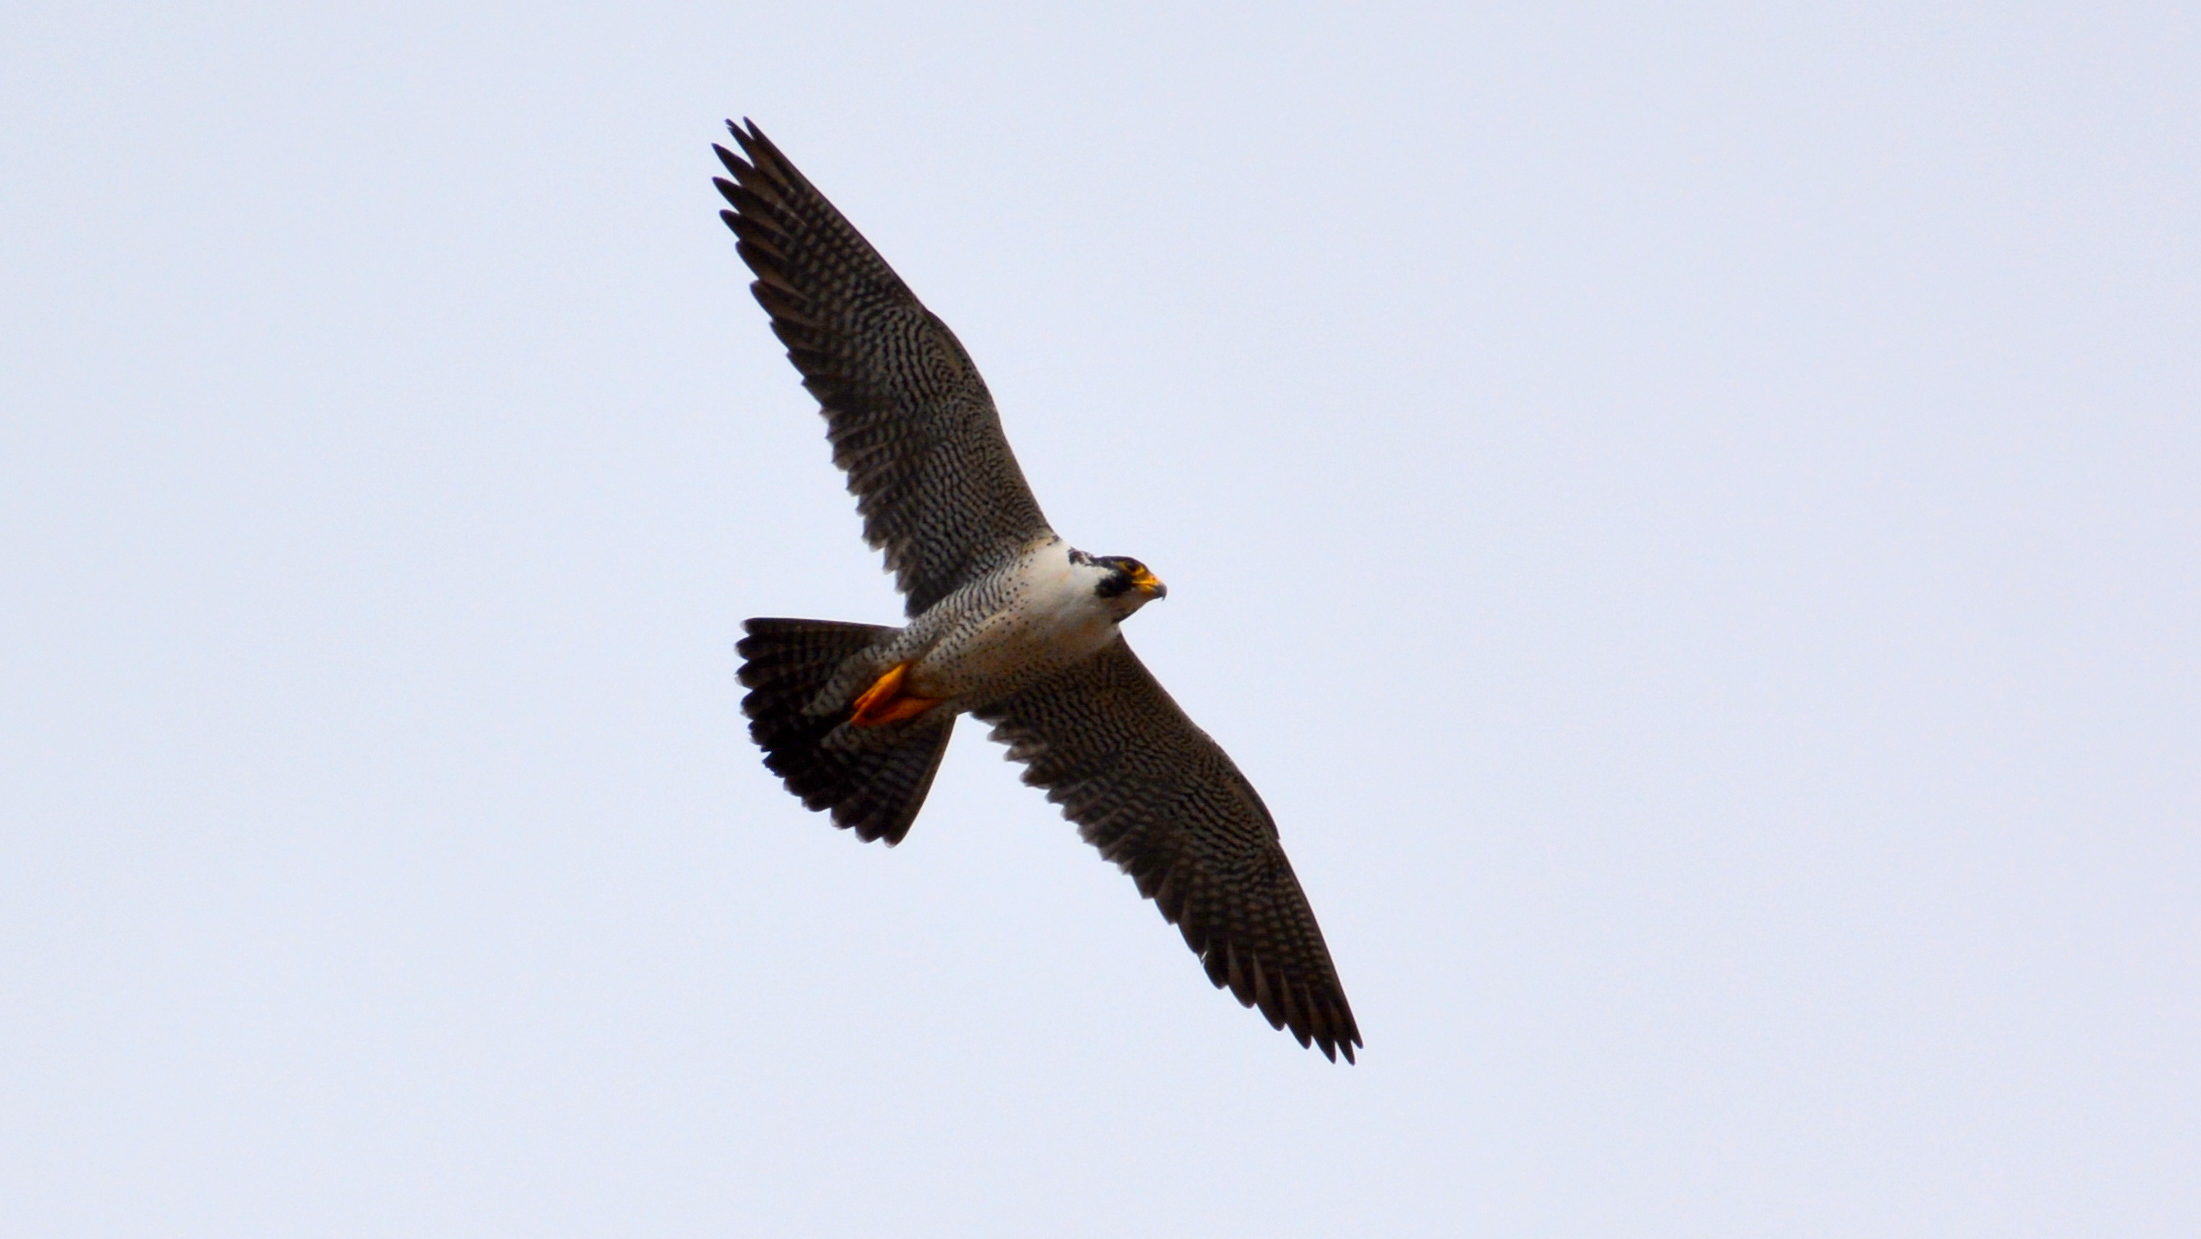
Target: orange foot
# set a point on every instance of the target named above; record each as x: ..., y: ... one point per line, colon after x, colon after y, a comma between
x: 884, y: 702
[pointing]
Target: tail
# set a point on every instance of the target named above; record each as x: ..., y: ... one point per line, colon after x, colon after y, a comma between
x: 875, y: 792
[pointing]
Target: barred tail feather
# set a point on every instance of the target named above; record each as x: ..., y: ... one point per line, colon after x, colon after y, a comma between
x: 875, y: 792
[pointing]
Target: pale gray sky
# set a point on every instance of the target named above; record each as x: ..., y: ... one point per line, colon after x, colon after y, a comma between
x: 1689, y: 517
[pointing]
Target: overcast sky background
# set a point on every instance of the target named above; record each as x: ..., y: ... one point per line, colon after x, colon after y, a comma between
x: 1691, y: 519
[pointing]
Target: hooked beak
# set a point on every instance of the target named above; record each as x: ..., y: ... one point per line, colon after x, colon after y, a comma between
x: 1149, y: 584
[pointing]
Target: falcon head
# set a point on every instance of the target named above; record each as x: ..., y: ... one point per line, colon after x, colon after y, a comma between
x: 1121, y: 581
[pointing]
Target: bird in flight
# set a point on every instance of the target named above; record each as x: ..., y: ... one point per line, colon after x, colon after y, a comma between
x: 1007, y: 622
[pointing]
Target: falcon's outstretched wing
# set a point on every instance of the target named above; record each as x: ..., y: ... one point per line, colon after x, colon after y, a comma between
x: 909, y: 418
x: 1162, y: 800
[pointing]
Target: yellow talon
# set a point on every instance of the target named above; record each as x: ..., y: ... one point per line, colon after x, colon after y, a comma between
x: 884, y: 702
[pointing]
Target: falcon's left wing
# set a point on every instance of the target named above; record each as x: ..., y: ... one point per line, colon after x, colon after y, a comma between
x: 1162, y: 800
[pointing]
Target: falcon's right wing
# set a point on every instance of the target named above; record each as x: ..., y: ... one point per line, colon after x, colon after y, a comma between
x: 909, y: 418
x: 1162, y: 800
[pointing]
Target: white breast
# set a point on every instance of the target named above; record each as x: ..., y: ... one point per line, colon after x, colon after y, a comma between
x: 1047, y: 617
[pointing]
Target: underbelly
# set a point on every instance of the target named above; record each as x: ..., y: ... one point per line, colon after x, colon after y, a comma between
x: 1005, y: 656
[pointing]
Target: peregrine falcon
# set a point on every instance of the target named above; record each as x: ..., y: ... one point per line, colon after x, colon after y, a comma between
x: 1007, y: 622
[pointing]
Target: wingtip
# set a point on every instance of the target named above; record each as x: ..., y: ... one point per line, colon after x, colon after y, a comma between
x: 747, y: 136
x: 750, y: 137
x: 1336, y: 1042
